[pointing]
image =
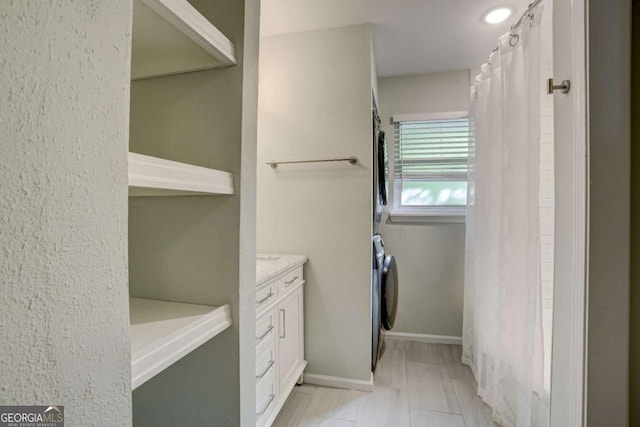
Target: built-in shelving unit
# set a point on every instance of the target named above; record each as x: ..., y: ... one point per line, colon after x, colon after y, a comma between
x: 151, y: 176
x: 163, y: 332
x: 174, y: 241
x: 171, y: 37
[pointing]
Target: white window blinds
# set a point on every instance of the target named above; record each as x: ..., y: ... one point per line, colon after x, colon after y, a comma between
x: 431, y: 150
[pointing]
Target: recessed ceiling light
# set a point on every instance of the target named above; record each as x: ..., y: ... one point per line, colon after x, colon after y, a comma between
x: 497, y: 15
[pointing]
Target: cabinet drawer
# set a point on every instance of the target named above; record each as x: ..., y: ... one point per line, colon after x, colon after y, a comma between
x: 266, y: 361
x: 265, y: 329
x: 266, y: 396
x: 290, y: 279
x: 265, y: 295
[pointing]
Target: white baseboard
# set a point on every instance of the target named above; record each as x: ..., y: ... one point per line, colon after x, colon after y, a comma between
x: 433, y: 339
x: 339, y: 382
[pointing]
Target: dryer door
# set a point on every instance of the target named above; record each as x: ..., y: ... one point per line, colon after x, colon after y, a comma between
x: 389, y: 291
x: 376, y: 314
x: 375, y: 321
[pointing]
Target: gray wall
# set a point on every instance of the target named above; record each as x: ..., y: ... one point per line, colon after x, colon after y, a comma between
x: 634, y: 353
x: 201, y: 249
x: 609, y: 169
x: 315, y: 102
x: 64, y: 322
x: 430, y: 256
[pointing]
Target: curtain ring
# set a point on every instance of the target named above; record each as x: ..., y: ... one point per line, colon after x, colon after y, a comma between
x: 514, y: 40
x: 531, y: 20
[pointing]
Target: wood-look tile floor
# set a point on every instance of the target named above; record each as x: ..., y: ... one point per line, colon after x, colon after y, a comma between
x: 415, y: 385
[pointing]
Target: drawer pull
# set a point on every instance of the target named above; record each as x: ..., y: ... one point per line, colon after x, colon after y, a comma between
x: 271, y: 397
x: 266, y: 370
x: 291, y: 281
x: 269, y: 329
x: 269, y: 295
x: 283, y: 323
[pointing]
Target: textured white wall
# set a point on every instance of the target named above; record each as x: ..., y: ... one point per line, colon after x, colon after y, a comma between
x: 64, y: 103
x: 430, y: 256
x: 315, y: 102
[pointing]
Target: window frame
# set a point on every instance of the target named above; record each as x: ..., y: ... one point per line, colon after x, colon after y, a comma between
x: 418, y: 214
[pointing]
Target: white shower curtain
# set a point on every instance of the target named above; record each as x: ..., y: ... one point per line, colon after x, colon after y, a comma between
x: 502, y: 332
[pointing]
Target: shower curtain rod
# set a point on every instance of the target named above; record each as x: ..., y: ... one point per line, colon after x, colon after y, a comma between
x: 519, y: 21
x: 526, y: 13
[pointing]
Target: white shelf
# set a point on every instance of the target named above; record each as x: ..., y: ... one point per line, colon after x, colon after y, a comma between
x: 163, y: 332
x: 151, y: 176
x: 171, y: 37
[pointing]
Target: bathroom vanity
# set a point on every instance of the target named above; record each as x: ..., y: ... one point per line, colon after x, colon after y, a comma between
x: 279, y: 332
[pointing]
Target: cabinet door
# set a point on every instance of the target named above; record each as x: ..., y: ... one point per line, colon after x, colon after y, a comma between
x: 290, y: 345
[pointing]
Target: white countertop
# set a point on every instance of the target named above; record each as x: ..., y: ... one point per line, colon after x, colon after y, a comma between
x: 269, y: 266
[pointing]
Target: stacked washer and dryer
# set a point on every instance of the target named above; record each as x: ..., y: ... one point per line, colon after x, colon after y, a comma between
x: 384, y: 277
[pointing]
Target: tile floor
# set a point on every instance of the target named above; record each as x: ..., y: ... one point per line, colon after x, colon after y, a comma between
x: 415, y: 385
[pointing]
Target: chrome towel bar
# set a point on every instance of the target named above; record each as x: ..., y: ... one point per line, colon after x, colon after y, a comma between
x: 353, y: 160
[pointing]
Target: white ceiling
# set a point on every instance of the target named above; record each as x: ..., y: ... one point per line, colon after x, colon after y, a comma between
x: 409, y: 36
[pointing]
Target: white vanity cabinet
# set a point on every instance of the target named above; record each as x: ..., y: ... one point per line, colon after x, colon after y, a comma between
x: 279, y: 332
x: 290, y: 338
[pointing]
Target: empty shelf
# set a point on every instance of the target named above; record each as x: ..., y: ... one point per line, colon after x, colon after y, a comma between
x: 171, y: 37
x: 163, y: 332
x: 151, y: 176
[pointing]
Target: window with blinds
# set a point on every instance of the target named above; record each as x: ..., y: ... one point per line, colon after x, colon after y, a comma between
x: 430, y: 164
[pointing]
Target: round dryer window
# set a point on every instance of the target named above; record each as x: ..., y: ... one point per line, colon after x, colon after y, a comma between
x: 389, y: 291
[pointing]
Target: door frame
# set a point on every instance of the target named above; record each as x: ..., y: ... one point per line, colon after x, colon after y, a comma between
x: 571, y: 216
x: 590, y: 359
